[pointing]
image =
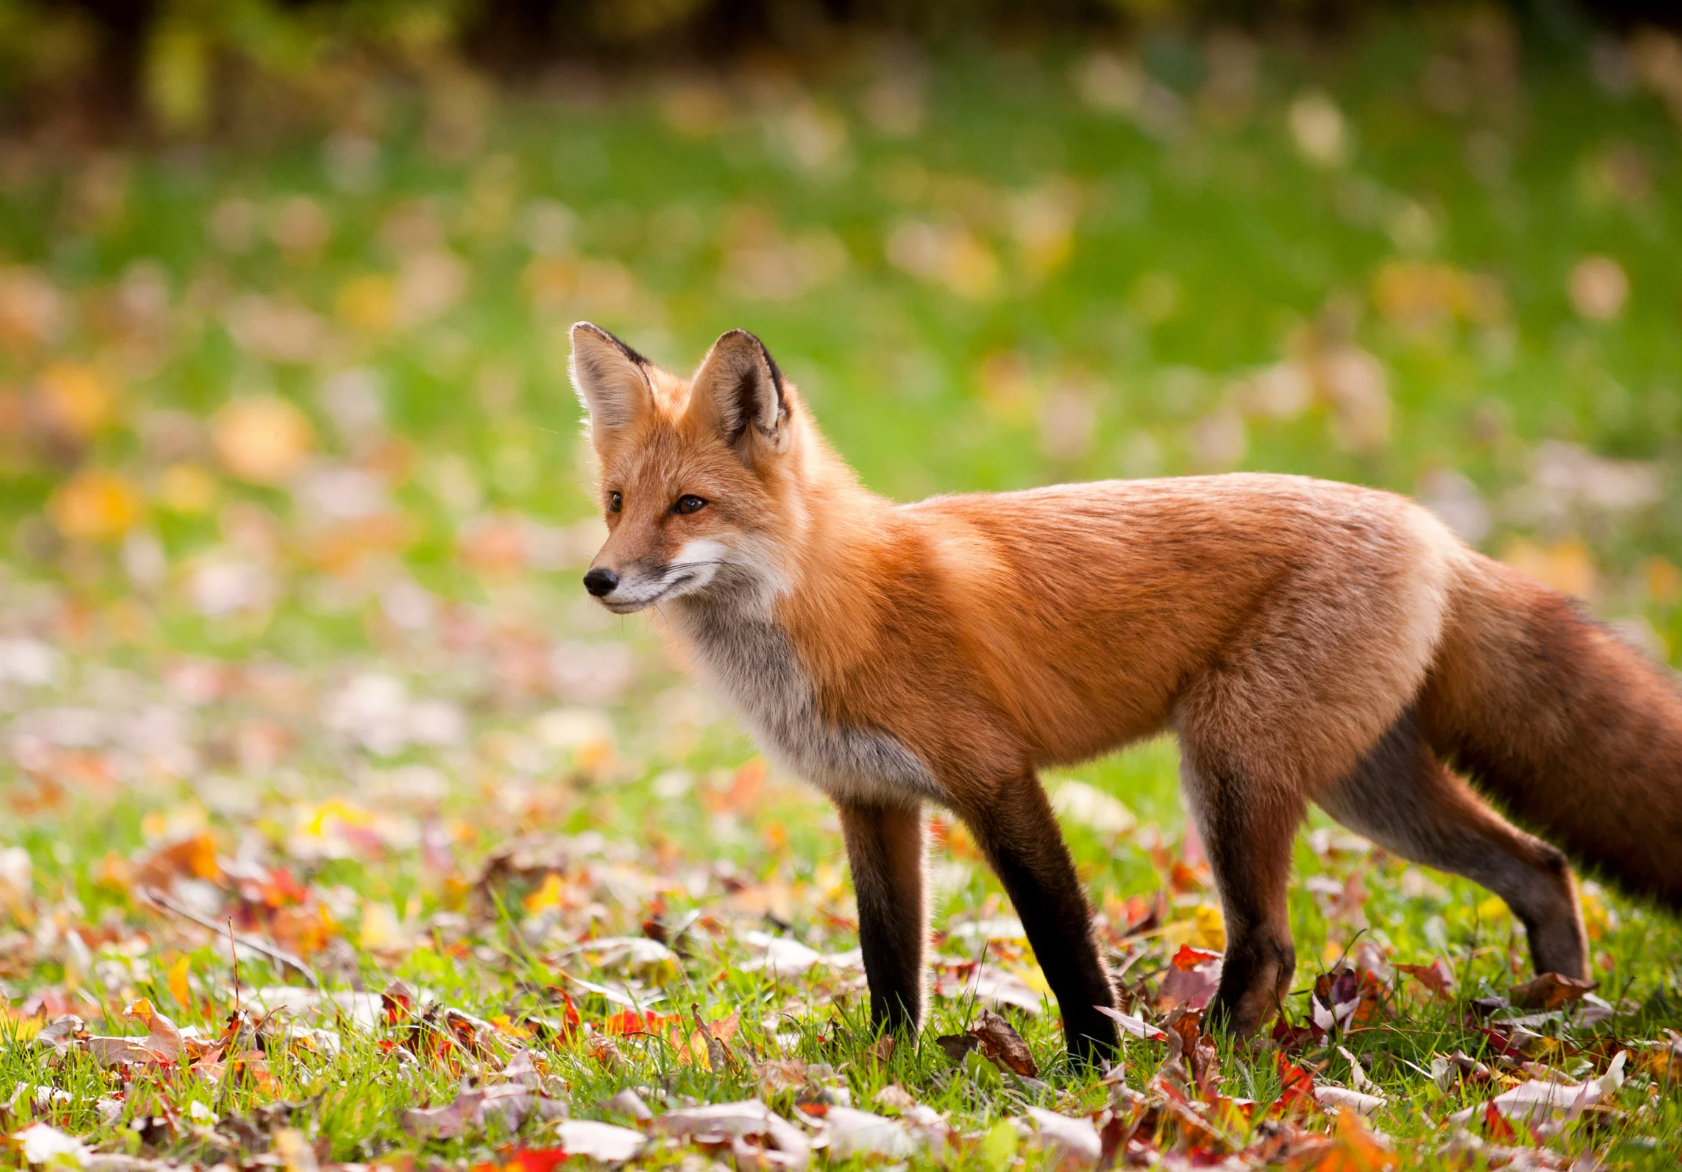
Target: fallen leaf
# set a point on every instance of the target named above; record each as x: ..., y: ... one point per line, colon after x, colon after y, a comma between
x: 628, y: 1102
x: 42, y: 1144
x: 118, y: 1051
x: 1436, y: 976
x: 748, y: 1119
x: 1003, y: 1046
x: 1191, y: 979
x: 1341, y: 1099
x: 603, y: 1142
x: 177, y: 981
x: 1536, y: 1100
x: 1296, y: 1086
x: 509, y: 1105
x: 957, y: 1046
x: 60, y: 1034
x: 1132, y: 1026
x: 1549, y: 991
x: 1074, y: 1142
x: 851, y: 1132
x: 895, y: 1098
x: 162, y: 1038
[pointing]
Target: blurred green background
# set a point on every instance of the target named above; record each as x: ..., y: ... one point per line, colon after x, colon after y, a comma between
x: 299, y: 315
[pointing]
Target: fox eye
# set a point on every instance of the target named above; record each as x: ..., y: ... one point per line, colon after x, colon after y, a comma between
x: 689, y: 504
x: 615, y: 502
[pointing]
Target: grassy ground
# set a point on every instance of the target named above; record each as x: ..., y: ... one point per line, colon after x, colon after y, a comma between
x: 290, y: 634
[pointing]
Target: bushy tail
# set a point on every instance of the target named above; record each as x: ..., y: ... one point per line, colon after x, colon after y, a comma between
x: 1574, y: 732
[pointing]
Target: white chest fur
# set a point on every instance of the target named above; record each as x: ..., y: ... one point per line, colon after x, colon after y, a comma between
x: 751, y: 662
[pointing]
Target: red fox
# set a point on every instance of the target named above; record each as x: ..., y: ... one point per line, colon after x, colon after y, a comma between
x: 1306, y: 641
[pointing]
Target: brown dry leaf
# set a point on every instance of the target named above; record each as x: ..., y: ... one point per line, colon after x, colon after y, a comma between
x: 720, y: 1123
x: 1549, y: 991
x: 59, y: 1034
x: 162, y: 1037
x: 509, y: 1105
x: 1436, y: 976
x: 894, y: 1097
x: 604, y: 1049
x: 1003, y: 1046
x: 1192, y: 1054
x: 110, y: 1051
x: 781, y: 1074
x: 957, y: 1046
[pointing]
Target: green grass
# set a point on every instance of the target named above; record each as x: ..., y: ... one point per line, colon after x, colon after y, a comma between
x: 1101, y: 299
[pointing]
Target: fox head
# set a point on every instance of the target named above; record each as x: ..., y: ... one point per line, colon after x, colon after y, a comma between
x: 694, y: 473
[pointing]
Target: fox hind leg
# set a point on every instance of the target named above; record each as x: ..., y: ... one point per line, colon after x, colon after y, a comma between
x: 1406, y: 800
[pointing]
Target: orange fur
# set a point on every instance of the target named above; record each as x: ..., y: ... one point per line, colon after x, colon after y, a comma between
x: 1307, y: 641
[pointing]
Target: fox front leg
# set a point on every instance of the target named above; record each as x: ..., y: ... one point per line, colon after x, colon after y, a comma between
x: 1017, y: 832
x: 885, y: 854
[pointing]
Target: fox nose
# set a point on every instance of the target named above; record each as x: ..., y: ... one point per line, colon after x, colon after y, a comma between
x: 600, y: 582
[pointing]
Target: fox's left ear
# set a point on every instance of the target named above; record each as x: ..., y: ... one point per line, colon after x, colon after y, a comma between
x: 738, y: 390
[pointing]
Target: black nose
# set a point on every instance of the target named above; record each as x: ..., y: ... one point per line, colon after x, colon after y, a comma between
x: 600, y: 582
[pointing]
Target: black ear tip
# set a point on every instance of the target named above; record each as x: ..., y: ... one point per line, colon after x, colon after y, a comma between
x: 740, y: 337
x: 592, y: 330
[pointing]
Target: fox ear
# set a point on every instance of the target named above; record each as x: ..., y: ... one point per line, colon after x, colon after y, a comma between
x: 611, y: 380
x: 739, y: 391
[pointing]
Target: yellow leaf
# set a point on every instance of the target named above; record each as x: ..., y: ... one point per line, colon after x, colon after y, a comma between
x: 551, y: 895
x: 1566, y: 565
x: 505, y: 1026
x: 366, y: 302
x: 1205, y: 929
x: 187, y: 488
x: 95, y: 505
x: 177, y: 981
x: 79, y: 398
x: 593, y: 756
x: 1663, y: 580
x: 380, y: 928
x: 294, y: 1149
x: 114, y: 871
x: 262, y: 438
x: 1211, y: 928
x: 335, y: 815
x: 1493, y: 908
x: 176, y: 74
x: 1596, y: 920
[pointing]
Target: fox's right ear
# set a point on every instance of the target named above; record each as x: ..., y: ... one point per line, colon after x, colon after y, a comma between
x: 611, y: 380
